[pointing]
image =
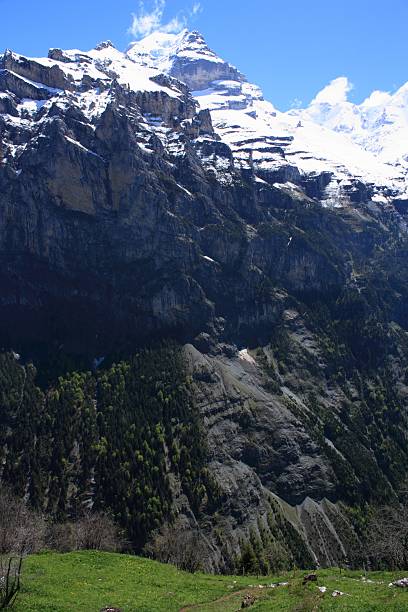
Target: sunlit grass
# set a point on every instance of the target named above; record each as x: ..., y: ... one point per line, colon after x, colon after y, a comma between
x: 88, y: 581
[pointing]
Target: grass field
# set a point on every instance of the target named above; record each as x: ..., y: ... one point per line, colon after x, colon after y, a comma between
x: 89, y: 581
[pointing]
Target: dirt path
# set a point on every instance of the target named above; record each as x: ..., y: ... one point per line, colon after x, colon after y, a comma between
x: 255, y: 592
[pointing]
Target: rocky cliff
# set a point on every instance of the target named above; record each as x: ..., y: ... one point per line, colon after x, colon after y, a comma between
x: 133, y: 211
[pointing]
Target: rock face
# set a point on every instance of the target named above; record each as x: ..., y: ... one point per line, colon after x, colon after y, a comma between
x: 129, y: 212
x: 153, y: 185
x: 50, y: 76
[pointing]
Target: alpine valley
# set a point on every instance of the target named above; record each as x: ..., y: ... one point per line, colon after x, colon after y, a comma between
x: 203, y: 302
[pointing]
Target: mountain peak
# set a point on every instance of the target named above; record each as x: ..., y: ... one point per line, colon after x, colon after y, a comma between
x: 105, y: 44
x: 185, y: 56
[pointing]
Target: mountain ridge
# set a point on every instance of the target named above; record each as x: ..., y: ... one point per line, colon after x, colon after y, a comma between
x: 247, y: 97
x: 360, y: 142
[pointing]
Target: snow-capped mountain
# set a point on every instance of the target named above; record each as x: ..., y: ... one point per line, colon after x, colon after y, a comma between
x: 332, y: 142
x: 74, y: 77
x: 366, y: 142
x: 379, y: 124
x: 185, y: 56
x: 34, y: 92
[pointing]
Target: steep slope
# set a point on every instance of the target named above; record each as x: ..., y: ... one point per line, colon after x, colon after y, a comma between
x: 130, y: 215
x: 109, y: 138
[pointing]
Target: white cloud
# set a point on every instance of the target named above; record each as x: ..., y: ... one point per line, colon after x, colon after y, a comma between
x: 145, y: 21
x: 334, y: 93
x: 175, y: 25
x: 196, y: 9
x: 377, y: 98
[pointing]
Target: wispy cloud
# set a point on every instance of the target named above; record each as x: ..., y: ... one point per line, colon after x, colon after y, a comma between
x: 144, y: 22
x: 150, y: 19
x: 335, y: 92
x: 176, y: 24
x: 196, y: 9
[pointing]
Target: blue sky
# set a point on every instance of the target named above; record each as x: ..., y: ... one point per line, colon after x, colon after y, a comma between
x: 291, y: 48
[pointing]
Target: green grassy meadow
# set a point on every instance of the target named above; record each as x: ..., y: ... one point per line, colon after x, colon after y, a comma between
x: 88, y: 581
